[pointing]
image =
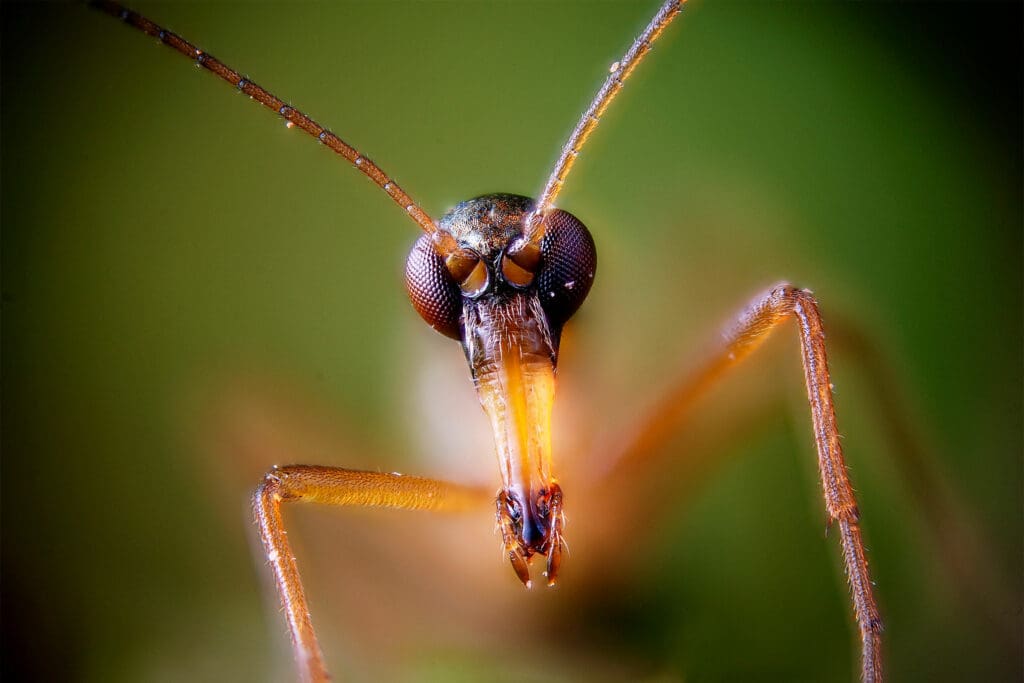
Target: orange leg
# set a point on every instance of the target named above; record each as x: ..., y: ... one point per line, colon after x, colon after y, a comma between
x: 751, y: 328
x: 335, y: 486
x: 782, y: 302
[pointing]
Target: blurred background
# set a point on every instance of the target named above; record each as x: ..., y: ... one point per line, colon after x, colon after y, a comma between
x: 192, y: 293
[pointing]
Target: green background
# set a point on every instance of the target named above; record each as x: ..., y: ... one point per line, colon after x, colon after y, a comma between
x: 173, y: 256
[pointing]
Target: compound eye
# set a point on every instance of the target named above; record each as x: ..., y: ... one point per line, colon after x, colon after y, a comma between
x: 433, y: 291
x: 568, y: 265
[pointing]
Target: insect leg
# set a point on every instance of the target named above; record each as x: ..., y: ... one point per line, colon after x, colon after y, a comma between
x: 335, y: 486
x: 750, y: 329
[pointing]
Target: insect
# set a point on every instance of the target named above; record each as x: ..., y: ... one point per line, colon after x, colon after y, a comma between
x: 502, y: 274
x: 164, y: 244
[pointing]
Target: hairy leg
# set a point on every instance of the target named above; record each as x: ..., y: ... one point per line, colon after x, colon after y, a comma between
x: 335, y: 486
x: 751, y: 328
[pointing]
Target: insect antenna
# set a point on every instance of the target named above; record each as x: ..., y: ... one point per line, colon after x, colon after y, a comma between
x: 619, y: 72
x: 290, y: 114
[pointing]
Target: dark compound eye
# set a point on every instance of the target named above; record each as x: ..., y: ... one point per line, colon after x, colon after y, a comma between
x: 569, y: 262
x: 434, y: 293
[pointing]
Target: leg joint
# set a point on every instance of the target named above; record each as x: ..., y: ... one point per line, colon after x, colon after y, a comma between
x: 272, y: 486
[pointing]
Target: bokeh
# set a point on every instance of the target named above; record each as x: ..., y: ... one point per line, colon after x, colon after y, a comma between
x: 193, y: 292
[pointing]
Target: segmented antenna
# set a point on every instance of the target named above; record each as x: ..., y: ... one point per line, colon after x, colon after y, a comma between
x: 619, y: 72
x: 293, y: 116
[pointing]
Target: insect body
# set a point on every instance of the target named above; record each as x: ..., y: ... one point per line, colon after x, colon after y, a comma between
x: 502, y: 274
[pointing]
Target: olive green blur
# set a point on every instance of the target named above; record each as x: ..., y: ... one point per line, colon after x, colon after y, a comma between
x: 166, y: 241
